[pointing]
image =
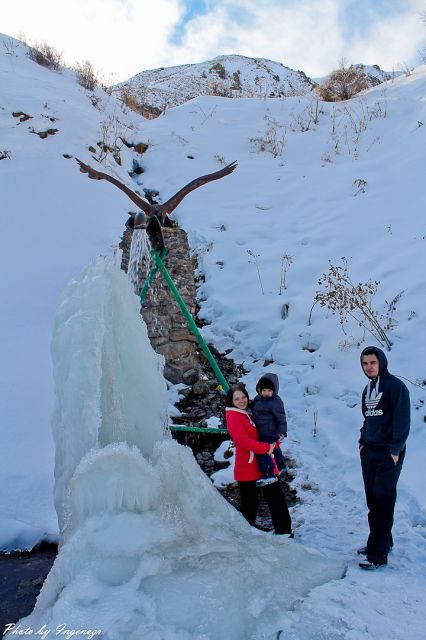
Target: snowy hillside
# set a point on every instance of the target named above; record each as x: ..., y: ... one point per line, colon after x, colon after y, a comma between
x: 231, y: 76
x: 315, y: 182
x: 376, y: 75
x: 53, y: 222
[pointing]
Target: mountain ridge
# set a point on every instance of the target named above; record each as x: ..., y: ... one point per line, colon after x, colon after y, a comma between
x: 232, y: 76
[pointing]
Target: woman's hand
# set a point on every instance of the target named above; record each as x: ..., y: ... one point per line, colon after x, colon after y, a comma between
x: 271, y: 449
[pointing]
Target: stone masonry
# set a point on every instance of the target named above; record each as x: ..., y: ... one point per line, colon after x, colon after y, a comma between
x: 167, y: 328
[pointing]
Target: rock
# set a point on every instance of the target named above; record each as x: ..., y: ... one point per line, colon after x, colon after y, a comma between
x: 200, y: 388
x: 141, y: 147
x: 284, y: 310
x: 191, y: 375
x: 173, y: 374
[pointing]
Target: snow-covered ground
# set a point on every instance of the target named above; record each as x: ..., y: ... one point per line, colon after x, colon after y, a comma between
x: 350, y: 184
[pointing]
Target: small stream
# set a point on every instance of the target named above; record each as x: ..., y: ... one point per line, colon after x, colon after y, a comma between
x: 21, y: 578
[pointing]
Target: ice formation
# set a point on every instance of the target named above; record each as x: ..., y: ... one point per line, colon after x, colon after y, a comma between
x: 150, y: 549
x: 140, y: 256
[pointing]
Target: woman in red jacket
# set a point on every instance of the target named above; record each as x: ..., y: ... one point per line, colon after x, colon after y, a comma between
x: 243, y: 432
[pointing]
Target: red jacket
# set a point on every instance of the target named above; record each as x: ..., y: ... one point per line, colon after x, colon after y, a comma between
x: 243, y: 433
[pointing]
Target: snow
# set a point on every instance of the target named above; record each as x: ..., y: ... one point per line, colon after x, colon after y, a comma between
x: 139, y: 520
x: 231, y: 75
x: 305, y: 202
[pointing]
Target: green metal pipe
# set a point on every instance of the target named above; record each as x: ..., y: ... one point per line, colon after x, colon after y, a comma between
x: 219, y: 375
x: 211, y: 430
x: 150, y: 277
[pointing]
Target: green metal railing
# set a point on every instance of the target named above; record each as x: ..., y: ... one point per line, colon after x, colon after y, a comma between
x: 159, y: 266
x: 192, y: 429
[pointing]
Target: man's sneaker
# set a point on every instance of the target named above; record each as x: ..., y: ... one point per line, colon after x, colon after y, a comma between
x: 265, y: 481
x: 362, y: 551
x: 368, y: 565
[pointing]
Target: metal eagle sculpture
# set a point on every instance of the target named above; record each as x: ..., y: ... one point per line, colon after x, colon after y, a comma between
x: 156, y: 215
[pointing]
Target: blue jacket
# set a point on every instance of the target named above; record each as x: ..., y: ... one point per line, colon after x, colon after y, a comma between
x: 386, y: 409
x: 269, y: 413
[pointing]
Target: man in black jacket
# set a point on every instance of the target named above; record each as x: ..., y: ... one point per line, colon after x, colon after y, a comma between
x: 386, y: 411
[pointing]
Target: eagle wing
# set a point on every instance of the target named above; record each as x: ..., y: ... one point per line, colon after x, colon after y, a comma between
x: 173, y: 202
x: 99, y: 175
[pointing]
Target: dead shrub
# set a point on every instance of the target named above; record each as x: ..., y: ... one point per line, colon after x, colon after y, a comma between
x: 216, y: 88
x: 354, y: 300
x: 130, y: 99
x: 86, y: 75
x: 343, y: 83
x: 45, y: 55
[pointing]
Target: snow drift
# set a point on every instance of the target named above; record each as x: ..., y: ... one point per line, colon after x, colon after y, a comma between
x: 141, y: 524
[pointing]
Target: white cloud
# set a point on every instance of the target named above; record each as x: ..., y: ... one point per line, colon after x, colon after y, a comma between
x: 127, y: 36
x: 392, y: 42
x: 117, y: 36
x: 306, y: 34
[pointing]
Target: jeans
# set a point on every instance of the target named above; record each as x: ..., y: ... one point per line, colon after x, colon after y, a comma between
x: 265, y: 462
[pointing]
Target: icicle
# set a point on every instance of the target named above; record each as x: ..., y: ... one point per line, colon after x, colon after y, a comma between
x: 140, y: 257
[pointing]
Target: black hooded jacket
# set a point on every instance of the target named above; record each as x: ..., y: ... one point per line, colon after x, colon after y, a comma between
x: 386, y: 409
x: 268, y: 413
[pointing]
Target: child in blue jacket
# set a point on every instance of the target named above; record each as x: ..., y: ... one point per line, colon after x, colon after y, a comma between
x: 271, y: 423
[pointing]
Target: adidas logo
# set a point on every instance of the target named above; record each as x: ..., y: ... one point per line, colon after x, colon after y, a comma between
x: 372, y: 403
x: 373, y: 412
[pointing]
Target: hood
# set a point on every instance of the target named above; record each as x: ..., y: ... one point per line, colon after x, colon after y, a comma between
x: 383, y: 361
x: 272, y: 377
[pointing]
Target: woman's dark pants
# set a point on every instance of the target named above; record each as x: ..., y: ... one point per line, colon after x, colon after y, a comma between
x: 249, y: 495
x: 380, y: 475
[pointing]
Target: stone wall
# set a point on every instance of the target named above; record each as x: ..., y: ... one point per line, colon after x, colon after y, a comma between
x: 167, y: 327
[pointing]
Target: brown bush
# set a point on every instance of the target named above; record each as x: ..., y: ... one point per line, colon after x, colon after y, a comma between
x: 130, y: 99
x: 46, y: 55
x: 343, y: 83
x: 86, y: 75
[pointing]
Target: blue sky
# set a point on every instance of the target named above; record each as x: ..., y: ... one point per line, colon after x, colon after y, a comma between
x: 123, y: 37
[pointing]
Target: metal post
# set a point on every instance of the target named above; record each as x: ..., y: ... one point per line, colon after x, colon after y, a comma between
x: 219, y: 375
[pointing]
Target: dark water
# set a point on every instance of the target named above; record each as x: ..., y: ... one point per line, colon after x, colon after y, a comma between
x: 21, y: 578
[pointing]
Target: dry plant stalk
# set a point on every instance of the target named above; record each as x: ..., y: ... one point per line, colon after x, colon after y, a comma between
x: 315, y: 429
x: 286, y: 262
x: 273, y: 139
x: 341, y: 296
x: 255, y: 261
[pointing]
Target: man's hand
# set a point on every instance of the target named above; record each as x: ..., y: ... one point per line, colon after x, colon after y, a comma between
x: 395, y: 458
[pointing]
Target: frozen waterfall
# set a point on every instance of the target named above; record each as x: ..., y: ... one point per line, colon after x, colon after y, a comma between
x: 150, y: 550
